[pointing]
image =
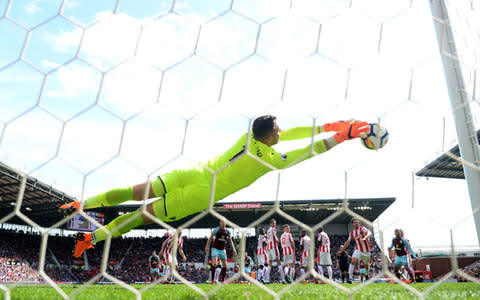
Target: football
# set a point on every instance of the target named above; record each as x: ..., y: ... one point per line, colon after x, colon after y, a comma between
x: 376, y: 137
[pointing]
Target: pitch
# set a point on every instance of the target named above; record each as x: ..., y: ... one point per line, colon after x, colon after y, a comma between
x: 447, y: 290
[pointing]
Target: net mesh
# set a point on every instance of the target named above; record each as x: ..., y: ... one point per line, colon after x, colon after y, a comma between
x: 115, y: 92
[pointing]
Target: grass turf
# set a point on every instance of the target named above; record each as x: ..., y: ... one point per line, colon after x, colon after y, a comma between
x: 383, y: 291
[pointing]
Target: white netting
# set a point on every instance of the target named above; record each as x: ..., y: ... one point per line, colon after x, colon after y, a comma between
x: 97, y: 95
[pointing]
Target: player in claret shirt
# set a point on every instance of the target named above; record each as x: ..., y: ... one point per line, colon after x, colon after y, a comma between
x: 185, y: 192
x: 154, y: 265
x: 220, y: 235
x: 400, y: 250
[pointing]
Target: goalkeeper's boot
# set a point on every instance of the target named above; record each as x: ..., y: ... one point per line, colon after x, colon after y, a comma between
x: 83, y: 242
x: 69, y: 208
x: 349, y: 280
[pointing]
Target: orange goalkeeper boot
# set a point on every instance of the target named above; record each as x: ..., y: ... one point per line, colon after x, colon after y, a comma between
x: 83, y: 242
x: 69, y: 208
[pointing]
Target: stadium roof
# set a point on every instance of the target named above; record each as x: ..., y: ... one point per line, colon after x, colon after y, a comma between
x: 444, y: 166
x: 307, y: 211
x: 41, y: 201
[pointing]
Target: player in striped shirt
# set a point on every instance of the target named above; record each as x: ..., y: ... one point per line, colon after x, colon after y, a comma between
x: 323, y: 258
x: 166, y: 252
x: 361, y: 235
x: 304, y: 251
x: 181, y: 193
x: 262, y: 258
x: 272, y: 251
x: 288, y: 248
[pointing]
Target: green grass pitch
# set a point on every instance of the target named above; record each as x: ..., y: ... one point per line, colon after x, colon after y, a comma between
x: 380, y: 291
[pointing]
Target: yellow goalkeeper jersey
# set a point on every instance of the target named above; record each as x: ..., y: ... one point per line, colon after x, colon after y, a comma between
x: 189, y: 190
x: 238, y: 167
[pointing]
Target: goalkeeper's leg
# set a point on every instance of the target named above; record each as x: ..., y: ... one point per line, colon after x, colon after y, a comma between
x: 113, y: 197
x: 117, y: 227
x: 126, y: 222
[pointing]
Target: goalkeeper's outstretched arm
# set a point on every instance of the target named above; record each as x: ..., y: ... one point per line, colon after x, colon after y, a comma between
x: 309, y: 131
x: 348, y: 130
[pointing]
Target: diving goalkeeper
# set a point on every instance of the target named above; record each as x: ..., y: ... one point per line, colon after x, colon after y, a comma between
x: 185, y: 192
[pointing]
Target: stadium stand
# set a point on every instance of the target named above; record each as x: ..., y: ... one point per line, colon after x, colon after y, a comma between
x: 128, y: 256
x: 127, y: 261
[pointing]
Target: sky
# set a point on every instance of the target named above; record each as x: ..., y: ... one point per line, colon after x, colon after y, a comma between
x: 96, y: 95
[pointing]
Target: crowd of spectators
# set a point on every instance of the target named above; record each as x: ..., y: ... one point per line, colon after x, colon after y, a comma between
x: 11, y: 271
x: 472, y: 270
x: 18, y: 258
x: 128, y: 258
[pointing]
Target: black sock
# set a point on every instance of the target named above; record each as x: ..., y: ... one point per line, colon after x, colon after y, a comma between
x: 212, y: 270
x: 223, y: 273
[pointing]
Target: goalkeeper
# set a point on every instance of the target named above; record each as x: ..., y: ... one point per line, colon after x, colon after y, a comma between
x: 185, y: 192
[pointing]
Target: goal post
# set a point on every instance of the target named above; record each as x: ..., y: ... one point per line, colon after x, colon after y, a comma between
x: 460, y: 103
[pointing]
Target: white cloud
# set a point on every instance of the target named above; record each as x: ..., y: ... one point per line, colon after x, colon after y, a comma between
x: 131, y: 87
x: 34, y: 130
x: 76, y: 79
x: 108, y: 43
x: 227, y: 39
x: 32, y: 8
x: 168, y: 40
x: 66, y: 40
x: 262, y: 10
x: 49, y: 64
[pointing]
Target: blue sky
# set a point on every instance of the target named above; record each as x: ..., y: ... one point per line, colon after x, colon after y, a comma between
x: 96, y: 95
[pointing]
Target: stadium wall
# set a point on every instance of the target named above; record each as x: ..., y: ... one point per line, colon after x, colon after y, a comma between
x: 440, y: 266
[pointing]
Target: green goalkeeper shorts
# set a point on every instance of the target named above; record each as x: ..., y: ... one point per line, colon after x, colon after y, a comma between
x: 182, y: 192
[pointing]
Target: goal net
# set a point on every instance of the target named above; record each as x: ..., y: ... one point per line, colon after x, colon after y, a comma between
x: 98, y: 95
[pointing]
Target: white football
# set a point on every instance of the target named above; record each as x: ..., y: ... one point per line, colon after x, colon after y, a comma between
x: 376, y: 137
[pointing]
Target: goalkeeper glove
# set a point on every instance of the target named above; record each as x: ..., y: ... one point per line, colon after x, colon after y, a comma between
x: 334, y: 126
x: 352, y: 130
